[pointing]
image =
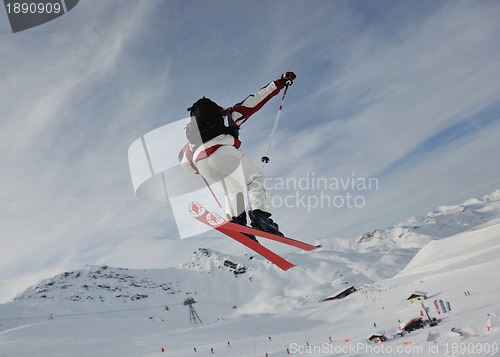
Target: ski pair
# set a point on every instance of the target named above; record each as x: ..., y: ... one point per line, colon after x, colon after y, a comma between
x: 235, y: 231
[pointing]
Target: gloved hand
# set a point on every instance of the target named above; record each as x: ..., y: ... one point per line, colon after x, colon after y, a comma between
x: 287, y: 78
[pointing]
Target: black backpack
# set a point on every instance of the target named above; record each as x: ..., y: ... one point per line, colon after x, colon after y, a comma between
x: 207, y: 122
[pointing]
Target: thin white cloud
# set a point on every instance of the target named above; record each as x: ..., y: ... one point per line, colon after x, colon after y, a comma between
x: 386, y: 96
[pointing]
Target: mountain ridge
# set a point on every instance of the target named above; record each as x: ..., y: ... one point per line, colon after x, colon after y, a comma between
x: 442, y: 222
x: 352, y: 264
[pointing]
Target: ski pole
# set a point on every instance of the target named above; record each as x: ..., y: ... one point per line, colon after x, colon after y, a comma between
x: 265, y: 159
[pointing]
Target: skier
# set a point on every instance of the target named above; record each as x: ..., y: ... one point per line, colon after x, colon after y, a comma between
x: 213, y: 152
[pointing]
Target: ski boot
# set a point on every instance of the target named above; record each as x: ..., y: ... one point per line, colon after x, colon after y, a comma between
x: 262, y: 221
x: 242, y: 221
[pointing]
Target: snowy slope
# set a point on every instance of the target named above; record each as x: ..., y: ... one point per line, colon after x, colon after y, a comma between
x: 105, y: 311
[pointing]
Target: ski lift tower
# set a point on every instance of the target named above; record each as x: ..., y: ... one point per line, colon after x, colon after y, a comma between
x: 193, y: 316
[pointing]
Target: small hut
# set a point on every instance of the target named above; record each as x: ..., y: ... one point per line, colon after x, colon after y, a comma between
x: 340, y: 295
x: 417, y: 296
x: 377, y: 338
x: 415, y: 324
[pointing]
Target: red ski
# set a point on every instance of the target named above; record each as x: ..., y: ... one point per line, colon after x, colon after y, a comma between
x: 236, y: 231
x: 293, y: 242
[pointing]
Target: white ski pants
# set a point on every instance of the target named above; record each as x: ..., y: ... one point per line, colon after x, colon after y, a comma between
x: 230, y: 168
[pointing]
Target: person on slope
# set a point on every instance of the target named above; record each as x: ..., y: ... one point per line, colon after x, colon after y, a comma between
x: 213, y: 152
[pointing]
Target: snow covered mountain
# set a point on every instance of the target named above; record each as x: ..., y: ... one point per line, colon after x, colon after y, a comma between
x: 440, y: 223
x: 248, y: 307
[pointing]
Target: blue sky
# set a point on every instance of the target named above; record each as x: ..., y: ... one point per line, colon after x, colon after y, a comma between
x: 406, y: 92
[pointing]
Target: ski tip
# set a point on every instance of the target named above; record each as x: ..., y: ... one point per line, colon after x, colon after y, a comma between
x: 319, y: 246
x: 288, y: 267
